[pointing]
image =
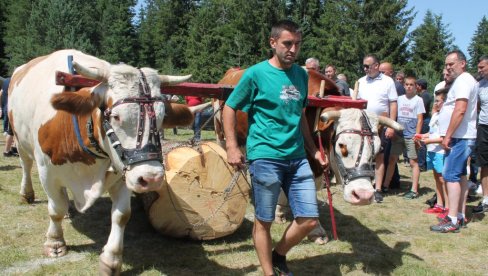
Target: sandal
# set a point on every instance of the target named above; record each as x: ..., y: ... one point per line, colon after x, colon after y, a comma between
x: 410, y: 195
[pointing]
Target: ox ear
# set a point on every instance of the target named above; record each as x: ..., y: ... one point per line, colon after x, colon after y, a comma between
x: 81, y: 102
x: 170, y: 80
x: 100, y: 74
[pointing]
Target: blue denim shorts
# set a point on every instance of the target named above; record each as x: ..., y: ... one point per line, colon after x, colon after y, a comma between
x: 456, y: 159
x: 435, y: 161
x: 295, y: 177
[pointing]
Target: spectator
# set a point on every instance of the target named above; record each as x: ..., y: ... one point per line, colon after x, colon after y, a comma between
x: 330, y: 72
x: 458, y: 126
x: 435, y: 154
x: 421, y: 86
x: 312, y: 64
x: 9, y: 149
x: 276, y: 144
x: 193, y: 101
x: 344, y: 78
x: 387, y: 69
x: 410, y: 111
x: 380, y: 92
x: 482, y: 135
x: 400, y: 77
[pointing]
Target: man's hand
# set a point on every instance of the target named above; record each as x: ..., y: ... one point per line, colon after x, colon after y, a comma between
x: 389, y: 133
x: 235, y: 158
x: 324, y: 162
x: 445, y: 143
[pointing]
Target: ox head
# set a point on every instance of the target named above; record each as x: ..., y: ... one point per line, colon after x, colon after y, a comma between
x: 132, y: 111
x: 355, y: 147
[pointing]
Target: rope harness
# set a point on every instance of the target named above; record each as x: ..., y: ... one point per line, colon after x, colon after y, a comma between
x: 366, y: 170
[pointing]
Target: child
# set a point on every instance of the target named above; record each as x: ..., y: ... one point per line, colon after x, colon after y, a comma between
x: 410, y: 116
x: 435, y: 155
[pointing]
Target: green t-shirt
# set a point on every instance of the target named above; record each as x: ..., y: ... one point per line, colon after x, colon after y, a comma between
x: 274, y: 100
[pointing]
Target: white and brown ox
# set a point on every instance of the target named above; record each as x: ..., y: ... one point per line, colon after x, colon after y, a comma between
x: 353, y: 138
x: 117, y: 152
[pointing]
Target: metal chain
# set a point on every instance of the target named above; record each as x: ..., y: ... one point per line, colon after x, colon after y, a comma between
x: 227, y: 191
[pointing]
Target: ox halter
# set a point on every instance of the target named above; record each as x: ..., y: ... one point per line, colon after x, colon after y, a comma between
x: 150, y: 151
x: 366, y: 170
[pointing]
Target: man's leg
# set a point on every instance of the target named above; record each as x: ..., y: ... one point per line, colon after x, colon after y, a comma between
x: 483, y: 205
x: 294, y: 233
x: 262, y: 243
x: 454, y: 195
x: 390, y: 169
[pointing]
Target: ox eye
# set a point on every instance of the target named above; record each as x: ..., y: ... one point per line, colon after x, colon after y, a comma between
x: 116, y: 117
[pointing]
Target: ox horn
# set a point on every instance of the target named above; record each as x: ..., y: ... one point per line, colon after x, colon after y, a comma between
x: 389, y: 123
x: 170, y: 80
x: 100, y: 74
x: 330, y: 115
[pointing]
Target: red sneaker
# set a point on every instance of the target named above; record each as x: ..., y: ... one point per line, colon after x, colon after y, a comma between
x: 443, y: 215
x: 437, y: 209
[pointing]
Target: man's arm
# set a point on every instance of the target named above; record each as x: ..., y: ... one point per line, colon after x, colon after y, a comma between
x: 310, y: 145
x: 456, y: 119
x: 234, y: 155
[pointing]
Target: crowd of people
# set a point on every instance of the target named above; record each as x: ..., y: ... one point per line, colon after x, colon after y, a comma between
x: 445, y: 131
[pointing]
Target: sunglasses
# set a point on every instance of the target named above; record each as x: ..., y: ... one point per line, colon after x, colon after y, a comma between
x: 366, y: 66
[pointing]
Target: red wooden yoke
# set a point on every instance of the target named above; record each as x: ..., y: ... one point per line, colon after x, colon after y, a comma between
x: 208, y: 90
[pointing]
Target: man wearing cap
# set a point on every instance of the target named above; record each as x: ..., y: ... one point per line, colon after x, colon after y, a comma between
x: 422, y: 92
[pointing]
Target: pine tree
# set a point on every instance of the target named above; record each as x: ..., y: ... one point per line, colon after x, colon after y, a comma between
x: 430, y: 43
x: 479, y: 44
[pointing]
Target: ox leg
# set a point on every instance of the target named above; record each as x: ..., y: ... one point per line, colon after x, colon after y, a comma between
x: 55, y: 246
x: 111, y: 257
x: 283, y: 210
x: 26, y: 190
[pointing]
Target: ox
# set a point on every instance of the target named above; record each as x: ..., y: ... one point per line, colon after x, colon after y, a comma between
x: 117, y: 149
x: 354, y: 149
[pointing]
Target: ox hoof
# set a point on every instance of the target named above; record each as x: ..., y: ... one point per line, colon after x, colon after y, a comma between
x: 319, y: 240
x: 55, y: 251
x: 107, y: 269
x: 28, y: 198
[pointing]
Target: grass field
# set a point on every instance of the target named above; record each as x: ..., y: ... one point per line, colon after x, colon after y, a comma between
x: 392, y: 238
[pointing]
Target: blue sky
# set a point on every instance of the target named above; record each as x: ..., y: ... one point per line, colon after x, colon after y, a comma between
x: 460, y: 17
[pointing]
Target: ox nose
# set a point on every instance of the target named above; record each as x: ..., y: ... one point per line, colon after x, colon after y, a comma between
x: 146, y: 181
x: 363, y: 197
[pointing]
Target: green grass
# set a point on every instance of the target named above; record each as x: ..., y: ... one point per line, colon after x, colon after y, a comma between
x: 392, y: 238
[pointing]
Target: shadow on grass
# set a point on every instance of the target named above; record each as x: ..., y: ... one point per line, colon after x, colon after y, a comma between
x: 369, y: 252
x: 9, y: 167
x: 146, y: 249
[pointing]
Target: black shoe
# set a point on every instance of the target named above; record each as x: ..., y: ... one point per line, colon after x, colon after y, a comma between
x: 279, y: 265
x: 7, y: 154
x: 481, y: 208
x: 378, y: 197
x: 432, y: 201
x: 384, y: 190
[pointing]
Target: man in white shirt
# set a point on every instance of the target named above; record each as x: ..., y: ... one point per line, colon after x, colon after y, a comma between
x: 458, y: 127
x: 380, y: 92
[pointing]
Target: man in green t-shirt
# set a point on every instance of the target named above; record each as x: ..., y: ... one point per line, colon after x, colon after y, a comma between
x: 274, y: 94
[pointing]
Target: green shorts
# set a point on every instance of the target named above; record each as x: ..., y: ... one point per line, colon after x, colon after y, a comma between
x: 399, y: 144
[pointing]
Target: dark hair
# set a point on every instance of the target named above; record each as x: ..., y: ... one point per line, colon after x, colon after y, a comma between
x: 443, y: 92
x: 483, y: 58
x: 460, y: 55
x: 374, y: 57
x: 284, y: 25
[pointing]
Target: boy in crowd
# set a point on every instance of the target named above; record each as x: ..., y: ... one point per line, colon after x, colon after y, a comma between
x: 410, y: 116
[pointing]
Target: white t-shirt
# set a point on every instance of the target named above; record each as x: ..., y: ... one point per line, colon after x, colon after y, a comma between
x: 464, y: 87
x: 379, y: 92
x: 408, y: 109
x: 439, y: 86
x: 483, y: 100
x: 434, y: 133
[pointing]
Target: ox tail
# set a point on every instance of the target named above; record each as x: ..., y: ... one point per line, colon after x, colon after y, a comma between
x: 81, y: 102
x: 177, y: 115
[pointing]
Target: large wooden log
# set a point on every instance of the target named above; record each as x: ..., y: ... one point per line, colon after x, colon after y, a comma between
x: 199, y: 200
